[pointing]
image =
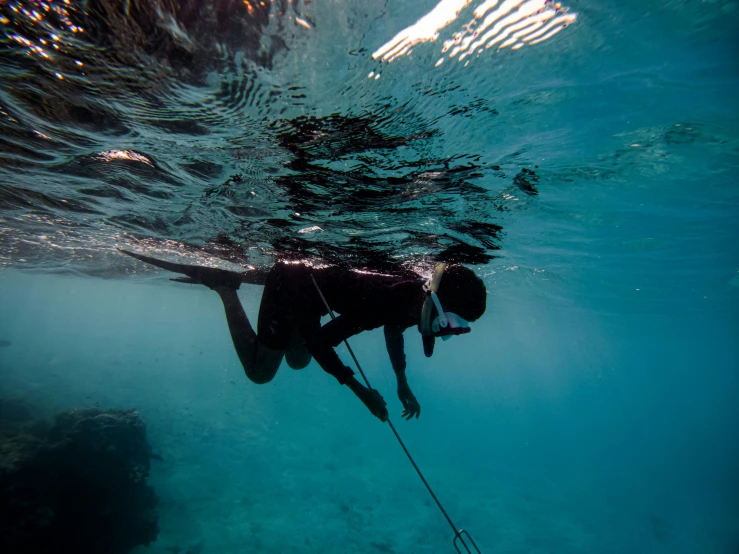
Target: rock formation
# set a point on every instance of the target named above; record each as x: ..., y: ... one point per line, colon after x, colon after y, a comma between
x: 78, y: 485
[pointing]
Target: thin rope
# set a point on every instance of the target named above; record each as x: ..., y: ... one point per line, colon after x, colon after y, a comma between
x: 457, y: 532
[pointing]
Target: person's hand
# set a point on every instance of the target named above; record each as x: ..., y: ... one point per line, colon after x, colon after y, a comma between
x: 411, y: 407
x: 375, y: 402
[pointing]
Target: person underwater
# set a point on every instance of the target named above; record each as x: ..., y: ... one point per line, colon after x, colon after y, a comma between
x: 289, y: 321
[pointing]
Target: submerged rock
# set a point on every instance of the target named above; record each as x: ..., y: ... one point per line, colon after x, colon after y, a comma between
x: 77, y: 486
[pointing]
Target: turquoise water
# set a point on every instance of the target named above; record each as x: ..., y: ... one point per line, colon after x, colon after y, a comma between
x: 592, y: 408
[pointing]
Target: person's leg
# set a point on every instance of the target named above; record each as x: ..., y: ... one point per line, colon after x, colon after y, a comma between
x: 260, y: 362
x: 297, y: 355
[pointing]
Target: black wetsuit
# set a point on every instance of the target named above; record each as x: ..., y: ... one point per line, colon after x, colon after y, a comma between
x: 364, y: 301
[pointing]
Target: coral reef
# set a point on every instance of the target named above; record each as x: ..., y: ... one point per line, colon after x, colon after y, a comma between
x: 78, y: 485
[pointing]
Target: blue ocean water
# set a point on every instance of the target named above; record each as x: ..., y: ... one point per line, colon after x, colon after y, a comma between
x: 590, y: 179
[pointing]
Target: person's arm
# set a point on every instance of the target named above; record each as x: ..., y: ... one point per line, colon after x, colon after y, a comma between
x: 396, y: 350
x: 321, y: 344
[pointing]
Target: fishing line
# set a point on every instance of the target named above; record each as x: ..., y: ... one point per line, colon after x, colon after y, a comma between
x: 460, y: 535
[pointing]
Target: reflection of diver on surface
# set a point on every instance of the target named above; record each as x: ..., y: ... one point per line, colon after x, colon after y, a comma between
x: 289, y: 323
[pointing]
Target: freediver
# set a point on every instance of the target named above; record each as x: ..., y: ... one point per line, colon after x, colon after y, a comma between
x: 289, y: 322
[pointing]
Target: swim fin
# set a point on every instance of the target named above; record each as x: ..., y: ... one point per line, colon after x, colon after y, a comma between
x: 187, y: 280
x: 208, y: 276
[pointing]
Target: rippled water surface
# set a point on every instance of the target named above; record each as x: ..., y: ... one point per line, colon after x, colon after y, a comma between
x: 263, y: 132
x: 582, y: 157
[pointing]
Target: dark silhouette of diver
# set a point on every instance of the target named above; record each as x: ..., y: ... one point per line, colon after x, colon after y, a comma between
x: 289, y: 323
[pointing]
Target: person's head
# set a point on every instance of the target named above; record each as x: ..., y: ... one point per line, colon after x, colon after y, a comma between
x: 454, y: 297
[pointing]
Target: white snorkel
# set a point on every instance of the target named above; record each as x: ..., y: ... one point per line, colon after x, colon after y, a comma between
x: 431, y: 301
x: 445, y: 324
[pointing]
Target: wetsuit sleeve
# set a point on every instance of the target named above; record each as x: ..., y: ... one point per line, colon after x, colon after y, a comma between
x: 395, y: 347
x: 323, y: 341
